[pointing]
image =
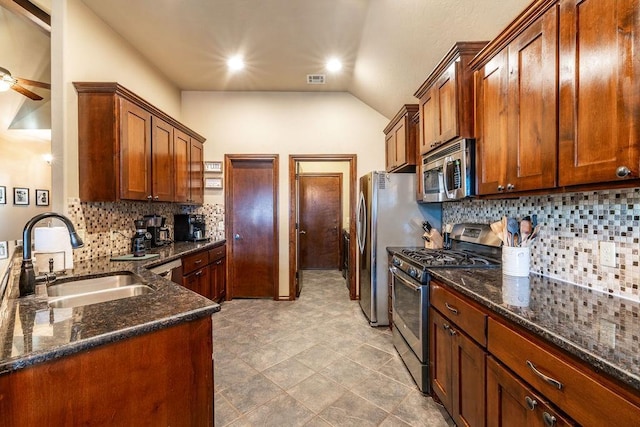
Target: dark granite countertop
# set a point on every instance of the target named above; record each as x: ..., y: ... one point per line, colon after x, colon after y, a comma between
x: 31, y: 332
x: 600, y: 329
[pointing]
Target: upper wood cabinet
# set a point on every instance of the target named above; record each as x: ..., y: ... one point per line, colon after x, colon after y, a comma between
x: 400, y: 141
x: 446, y: 98
x: 599, y: 91
x: 516, y: 97
x: 557, y: 98
x: 130, y: 150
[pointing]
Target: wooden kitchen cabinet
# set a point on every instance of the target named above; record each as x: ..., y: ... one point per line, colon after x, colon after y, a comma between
x: 188, y: 160
x: 128, y: 148
x: 565, y: 382
x: 160, y: 378
x: 457, y: 361
x: 400, y: 141
x: 218, y: 267
x: 446, y: 98
x: 516, y: 98
x: 510, y: 402
x: 599, y: 91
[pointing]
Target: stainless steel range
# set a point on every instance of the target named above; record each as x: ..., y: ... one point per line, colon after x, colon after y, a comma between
x: 472, y: 246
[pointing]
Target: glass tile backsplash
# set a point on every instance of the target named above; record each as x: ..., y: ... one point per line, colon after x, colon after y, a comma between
x: 572, y: 225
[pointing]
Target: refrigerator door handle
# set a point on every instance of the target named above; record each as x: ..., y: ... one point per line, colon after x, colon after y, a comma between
x: 362, y: 222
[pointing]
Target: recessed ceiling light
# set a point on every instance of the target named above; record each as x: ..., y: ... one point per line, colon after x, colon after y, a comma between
x: 334, y: 65
x: 235, y: 63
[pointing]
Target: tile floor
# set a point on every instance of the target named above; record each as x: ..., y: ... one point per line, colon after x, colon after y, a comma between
x: 312, y: 362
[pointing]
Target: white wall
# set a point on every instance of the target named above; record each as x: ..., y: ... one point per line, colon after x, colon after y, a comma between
x: 84, y: 48
x: 285, y: 123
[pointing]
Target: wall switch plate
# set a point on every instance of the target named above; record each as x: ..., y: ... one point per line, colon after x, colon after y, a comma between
x: 608, y: 254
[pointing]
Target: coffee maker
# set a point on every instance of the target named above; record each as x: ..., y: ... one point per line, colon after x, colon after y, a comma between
x: 157, y: 229
x: 189, y: 228
x: 140, y: 240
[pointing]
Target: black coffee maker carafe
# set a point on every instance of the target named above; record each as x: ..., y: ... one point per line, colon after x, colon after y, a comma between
x: 139, y: 239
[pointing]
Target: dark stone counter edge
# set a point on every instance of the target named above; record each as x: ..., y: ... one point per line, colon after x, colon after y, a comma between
x: 108, y: 338
x: 597, y: 363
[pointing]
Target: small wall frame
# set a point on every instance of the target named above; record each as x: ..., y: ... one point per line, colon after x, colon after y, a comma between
x: 213, y: 183
x: 215, y: 167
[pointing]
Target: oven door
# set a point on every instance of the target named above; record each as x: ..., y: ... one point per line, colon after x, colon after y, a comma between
x: 410, y: 302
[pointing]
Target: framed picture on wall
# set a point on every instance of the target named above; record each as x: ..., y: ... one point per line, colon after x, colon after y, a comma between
x: 213, y: 183
x: 3, y: 195
x: 213, y: 167
x: 42, y: 197
x: 4, y: 250
x: 20, y: 196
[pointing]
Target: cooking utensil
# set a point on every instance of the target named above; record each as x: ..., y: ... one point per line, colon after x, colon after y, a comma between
x: 514, y: 231
x: 497, y: 228
x: 525, y: 229
x: 505, y: 232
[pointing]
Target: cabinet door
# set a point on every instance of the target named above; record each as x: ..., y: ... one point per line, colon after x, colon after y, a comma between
x: 162, y: 160
x: 401, y: 143
x: 181, y: 148
x: 510, y: 402
x: 390, y: 148
x: 491, y: 125
x: 532, y: 125
x: 430, y: 121
x: 199, y: 281
x: 218, y: 279
x: 447, y: 105
x: 135, y: 152
x: 599, y: 95
x: 468, y: 385
x: 440, y: 358
x: 196, y: 166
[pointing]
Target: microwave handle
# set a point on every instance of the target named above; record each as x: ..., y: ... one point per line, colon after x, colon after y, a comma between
x: 444, y: 176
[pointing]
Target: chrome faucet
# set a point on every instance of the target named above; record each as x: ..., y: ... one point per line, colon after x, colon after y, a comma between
x: 27, y: 275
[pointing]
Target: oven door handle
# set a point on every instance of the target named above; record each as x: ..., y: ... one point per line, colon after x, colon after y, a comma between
x: 404, y: 281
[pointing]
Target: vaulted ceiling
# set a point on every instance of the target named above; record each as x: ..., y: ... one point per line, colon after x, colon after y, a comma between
x: 388, y: 46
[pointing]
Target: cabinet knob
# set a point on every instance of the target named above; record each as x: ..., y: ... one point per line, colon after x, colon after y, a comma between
x: 549, y: 420
x: 511, y: 186
x: 500, y: 188
x: 623, y: 172
x: 531, y: 403
x: 149, y: 197
x: 156, y: 198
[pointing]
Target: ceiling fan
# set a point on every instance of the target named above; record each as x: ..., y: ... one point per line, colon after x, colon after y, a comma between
x: 7, y: 81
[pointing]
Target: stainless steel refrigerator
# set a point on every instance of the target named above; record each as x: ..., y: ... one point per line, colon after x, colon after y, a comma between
x: 388, y: 215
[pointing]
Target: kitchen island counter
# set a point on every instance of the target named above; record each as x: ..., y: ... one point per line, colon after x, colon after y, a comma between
x: 31, y: 332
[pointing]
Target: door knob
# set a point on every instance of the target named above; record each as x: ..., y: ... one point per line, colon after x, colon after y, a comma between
x: 303, y: 232
x: 237, y: 237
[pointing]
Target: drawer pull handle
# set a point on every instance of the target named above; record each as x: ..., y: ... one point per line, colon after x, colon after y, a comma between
x: 549, y: 420
x: 446, y: 327
x: 531, y: 403
x: 452, y: 332
x: 555, y: 383
x: 450, y: 308
x: 218, y: 262
x: 199, y: 273
x: 198, y: 261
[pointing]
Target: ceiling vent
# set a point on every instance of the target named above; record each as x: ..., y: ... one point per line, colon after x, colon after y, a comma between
x: 316, y: 79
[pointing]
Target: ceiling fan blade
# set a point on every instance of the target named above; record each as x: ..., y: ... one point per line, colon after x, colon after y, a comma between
x: 26, y: 92
x: 33, y: 83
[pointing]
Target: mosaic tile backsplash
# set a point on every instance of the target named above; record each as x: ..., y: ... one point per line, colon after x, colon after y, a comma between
x: 572, y: 225
x: 107, y: 227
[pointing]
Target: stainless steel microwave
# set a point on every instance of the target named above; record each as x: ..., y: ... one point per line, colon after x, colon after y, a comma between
x: 448, y: 172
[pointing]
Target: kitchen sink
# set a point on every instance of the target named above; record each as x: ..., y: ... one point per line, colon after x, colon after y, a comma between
x: 76, y: 293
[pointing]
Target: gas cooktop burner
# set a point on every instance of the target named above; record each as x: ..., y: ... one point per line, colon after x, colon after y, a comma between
x: 429, y: 258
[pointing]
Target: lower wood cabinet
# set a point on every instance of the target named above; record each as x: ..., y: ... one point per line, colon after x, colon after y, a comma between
x: 458, y: 371
x: 205, y: 272
x: 163, y: 378
x: 510, y: 402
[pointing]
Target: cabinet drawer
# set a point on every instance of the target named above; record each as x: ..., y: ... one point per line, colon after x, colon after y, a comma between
x: 583, y: 395
x: 471, y: 320
x: 217, y: 253
x: 194, y: 261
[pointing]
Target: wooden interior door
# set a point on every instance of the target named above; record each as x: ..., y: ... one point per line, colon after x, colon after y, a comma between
x: 320, y: 221
x: 251, y: 218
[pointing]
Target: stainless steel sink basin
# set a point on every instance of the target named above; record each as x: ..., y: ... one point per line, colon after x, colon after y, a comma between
x: 76, y: 293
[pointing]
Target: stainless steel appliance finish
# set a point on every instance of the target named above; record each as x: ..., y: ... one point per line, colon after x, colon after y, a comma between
x: 387, y: 212
x: 474, y: 246
x: 448, y: 172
